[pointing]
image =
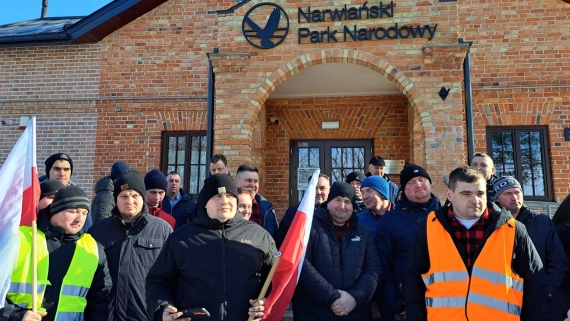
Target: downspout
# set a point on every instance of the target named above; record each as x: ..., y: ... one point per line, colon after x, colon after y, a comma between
x: 468, y: 102
x: 210, y: 113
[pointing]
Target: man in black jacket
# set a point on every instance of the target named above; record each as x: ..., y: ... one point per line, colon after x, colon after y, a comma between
x: 341, y: 266
x: 60, y: 230
x: 456, y: 269
x: 217, y: 262
x: 132, y: 239
x: 508, y: 193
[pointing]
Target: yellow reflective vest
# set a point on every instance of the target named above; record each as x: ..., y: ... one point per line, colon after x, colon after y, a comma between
x: 76, y: 283
x: 493, y: 291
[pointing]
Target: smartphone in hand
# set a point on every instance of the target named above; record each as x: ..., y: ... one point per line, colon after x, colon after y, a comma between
x: 195, y: 314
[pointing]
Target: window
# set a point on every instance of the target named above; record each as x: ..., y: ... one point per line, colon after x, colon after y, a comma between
x: 522, y: 152
x: 185, y: 153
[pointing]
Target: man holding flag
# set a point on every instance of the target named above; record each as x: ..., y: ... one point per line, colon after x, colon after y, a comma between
x: 57, y: 272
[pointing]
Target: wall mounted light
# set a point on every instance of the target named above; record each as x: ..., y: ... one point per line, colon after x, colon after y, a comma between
x: 330, y: 125
x: 443, y: 93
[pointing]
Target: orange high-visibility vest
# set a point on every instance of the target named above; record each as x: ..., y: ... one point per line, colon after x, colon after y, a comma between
x: 492, y: 291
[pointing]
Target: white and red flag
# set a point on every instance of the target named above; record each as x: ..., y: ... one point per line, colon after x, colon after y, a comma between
x: 292, y: 254
x: 19, y: 196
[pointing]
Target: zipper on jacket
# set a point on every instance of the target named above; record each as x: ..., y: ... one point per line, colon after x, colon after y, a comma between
x: 224, y: 268
x: 341, y: 261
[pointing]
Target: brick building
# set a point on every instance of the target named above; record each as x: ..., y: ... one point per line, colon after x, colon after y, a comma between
x: 324, y: 84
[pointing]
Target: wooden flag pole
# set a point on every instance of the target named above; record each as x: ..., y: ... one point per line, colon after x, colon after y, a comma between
x: 34, y: 268
x: 267, y: 282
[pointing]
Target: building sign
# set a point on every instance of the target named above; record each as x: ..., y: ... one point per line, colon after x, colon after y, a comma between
x: 353, y: 32
x: 276, y: 24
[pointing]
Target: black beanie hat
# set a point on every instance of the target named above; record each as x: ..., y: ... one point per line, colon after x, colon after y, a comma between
x: 49, y: 188
x: 155, y: 179
x: 217, y: 184
x: 410, y: 171
x: 355, y: 176
x: 55, y: 157
x: 129, y: 180
x: 341, y: 189
x: 68, y: 197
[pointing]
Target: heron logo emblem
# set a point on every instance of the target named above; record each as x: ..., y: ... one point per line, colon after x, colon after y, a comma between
x: 265, y: 25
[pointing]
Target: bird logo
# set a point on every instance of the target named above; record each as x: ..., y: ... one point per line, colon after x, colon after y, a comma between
x: 275, y: 30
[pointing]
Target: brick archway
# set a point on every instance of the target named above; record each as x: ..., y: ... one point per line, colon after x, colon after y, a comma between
x: 418, y: 107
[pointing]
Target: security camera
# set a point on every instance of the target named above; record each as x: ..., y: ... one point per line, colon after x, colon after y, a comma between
x: 274, y: 120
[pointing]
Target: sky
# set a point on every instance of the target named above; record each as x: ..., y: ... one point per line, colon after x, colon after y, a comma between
x: 21, y: 10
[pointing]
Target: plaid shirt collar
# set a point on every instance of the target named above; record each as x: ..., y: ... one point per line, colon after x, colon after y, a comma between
x: 468, y: 239
x: 256, y: 213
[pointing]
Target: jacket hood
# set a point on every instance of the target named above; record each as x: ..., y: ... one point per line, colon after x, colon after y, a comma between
x: 55, y: 232
x: 104, y: 184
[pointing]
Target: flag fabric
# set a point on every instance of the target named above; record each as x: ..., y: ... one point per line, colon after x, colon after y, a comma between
x: 292, y: 254
x: 19, y: 196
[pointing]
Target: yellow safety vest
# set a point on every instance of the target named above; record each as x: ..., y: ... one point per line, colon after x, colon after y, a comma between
x: 492, y: 291
x: 76, y: 282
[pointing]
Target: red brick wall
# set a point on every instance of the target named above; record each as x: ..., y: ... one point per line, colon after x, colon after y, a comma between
x: 58, y: 85
x: 381, y: 118
x: 520, y: 72
x: 60, y: 127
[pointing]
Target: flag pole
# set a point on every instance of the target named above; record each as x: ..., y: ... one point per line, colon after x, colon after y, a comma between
x: 267, y: 281
x: 34, y: 268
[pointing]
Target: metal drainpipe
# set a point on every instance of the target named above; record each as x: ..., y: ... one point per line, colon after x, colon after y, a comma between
x: 468, y: 103
x: 44, y: 8
x: 210, y: 114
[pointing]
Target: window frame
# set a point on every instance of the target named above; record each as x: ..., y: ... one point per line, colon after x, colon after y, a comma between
x: 187, y: 158
x: 545, y: 154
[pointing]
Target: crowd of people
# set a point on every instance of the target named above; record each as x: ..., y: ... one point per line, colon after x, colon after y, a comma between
x: 143, y: 249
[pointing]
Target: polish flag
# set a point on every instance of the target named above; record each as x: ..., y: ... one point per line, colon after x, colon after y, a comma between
x: 292, y: 254
x: 19, y: 197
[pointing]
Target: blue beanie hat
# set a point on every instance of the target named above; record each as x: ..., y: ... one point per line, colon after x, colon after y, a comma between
x: 119, y: 168
x: 378, y: 184
x: 155, y: 179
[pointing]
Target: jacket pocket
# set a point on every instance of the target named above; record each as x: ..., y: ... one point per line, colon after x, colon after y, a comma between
x: 147, y: 250
x: 108, y: 244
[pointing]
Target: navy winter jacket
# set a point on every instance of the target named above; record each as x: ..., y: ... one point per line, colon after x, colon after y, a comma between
x: 370, y: 220
x: 267, y: 215
x: 331, y: 264
x: 131, y: 250
x: 183, y: 210
x: 394, y: 240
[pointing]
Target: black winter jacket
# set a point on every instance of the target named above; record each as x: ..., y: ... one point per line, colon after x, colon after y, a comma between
x: 131, y: 252
x: 183, y: 211
x: 212, y: 265
x: 545, y: 239
x: 104, y: 201
x: 61, y: 247
x: 350, y: 264
x: 526, y: 263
